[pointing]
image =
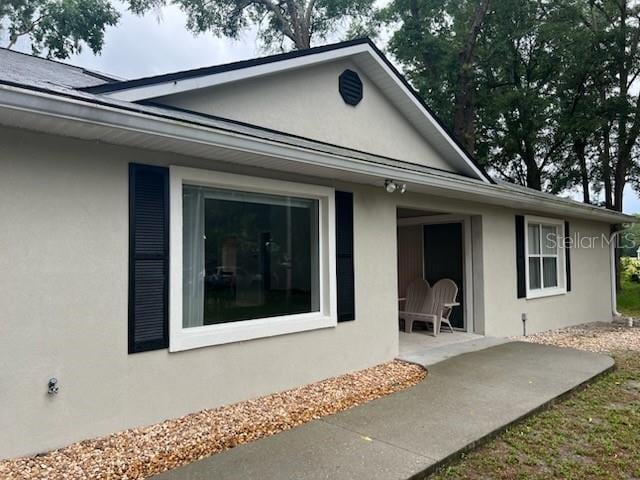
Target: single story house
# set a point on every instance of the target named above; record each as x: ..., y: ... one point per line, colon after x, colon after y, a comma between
x: 193, y: 239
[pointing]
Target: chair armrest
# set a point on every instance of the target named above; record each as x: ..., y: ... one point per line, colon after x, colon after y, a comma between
x: 419, y: 315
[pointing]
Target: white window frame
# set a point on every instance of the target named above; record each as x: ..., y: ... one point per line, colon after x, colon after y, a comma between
x: 181, y: 338
x: 561, y: 289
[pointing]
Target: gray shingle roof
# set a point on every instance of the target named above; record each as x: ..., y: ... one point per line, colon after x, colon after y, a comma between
x: 16, y: 67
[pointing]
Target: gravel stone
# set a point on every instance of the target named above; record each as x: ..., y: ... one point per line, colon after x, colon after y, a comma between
x: 595, y: 337
x: 141, y: 452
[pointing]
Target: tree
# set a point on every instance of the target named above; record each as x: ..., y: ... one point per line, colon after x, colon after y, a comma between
x: 57, y: 28
x: 497, y: 74
x: 616, y: 26
x: 464, y: 109
x: 630, y: 240
x: 537, y: 82
x: 544, y: 92
x: 282, y: 23
x: 435, y: 41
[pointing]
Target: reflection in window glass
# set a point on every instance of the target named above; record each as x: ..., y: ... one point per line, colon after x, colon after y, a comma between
x: 248, y: 256
x: 534, y: 273
x: 549, y: 240
x: 534, y: 239
x: 550, y: 269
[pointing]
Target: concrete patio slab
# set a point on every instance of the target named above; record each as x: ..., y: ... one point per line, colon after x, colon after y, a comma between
x: 407, y: 435
x: 425, y: 350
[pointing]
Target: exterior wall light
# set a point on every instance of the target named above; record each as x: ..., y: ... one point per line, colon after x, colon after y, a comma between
x: 391, y: 186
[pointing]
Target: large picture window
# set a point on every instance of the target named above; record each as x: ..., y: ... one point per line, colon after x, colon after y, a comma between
x: 248, y: 256
x: 545, y: 257
x: 253, y: 258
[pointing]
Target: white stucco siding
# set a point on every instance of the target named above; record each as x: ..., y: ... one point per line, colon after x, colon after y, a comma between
x: 63, y: 292
x: 307, y: 103
x: 588, y: 301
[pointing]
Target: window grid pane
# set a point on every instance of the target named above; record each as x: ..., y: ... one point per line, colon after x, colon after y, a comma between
x: 550, y: 272
x: 549, y: 240
x: 534, y: 273
x: 534, y: 238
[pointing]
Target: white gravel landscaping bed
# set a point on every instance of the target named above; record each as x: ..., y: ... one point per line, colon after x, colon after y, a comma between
x: 595, y: 337
x: 141, y: 452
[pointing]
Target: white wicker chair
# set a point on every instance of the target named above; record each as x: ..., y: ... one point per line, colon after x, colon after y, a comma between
x: 429, y: 304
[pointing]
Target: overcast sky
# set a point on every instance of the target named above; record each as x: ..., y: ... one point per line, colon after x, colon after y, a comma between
x: 159, y: 43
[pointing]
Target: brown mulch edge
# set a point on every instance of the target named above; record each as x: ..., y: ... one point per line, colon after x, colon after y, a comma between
x: 141, y: 452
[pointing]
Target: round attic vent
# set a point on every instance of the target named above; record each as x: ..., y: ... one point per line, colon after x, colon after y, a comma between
x: 350, y: 87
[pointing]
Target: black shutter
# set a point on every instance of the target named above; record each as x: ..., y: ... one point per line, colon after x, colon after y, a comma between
x: 520, y: 257
x: 148, y: 258
x: 344, y: 257
x: 567, y: 253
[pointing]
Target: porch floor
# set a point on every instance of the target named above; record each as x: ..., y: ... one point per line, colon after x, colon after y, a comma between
x: 424, y: 349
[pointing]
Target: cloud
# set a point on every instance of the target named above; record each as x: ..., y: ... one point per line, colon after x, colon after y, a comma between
x: 631, y: 200
x: 159, y: 42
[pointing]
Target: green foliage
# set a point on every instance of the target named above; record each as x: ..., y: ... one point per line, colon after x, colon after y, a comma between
x: 527, y: 75
x: 630, y: 269
x: 629, y: 298
x: 426, y: 42
x: 555, y: 94
x: 281, y: 24
x: 630, y: 240
x: 57, y: 28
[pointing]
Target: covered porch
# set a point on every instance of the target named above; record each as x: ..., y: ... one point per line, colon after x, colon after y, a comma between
x: 436, y: 247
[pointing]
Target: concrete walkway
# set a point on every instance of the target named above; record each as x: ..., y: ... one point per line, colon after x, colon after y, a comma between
x: 410, y: 433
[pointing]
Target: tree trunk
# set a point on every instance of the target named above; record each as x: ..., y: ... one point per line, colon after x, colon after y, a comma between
x: 624, y: 151
x: 618, y: 191
x: 534, y: 174
x: 579, y: 146
x: 534, y: 179
x: 464, y: 113
x: 606, y: 169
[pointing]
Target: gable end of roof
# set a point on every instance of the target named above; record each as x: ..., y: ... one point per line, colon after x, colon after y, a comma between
x: 160, y: 85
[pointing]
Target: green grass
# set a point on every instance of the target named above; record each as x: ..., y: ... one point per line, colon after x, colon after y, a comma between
x: 595, y: 433
x: 629, y: 298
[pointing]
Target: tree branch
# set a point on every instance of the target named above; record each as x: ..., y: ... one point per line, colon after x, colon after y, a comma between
x: 16, y: 35
x: 308, y: 13
x: 275, y: 9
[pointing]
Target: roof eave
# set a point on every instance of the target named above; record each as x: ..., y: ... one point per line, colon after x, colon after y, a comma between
x: 98, y: 117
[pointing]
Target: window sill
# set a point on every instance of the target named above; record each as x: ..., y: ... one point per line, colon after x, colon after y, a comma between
x: 549, y: 292
x: 210, y: 335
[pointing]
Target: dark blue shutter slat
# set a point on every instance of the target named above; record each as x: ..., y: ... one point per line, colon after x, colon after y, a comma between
x: 345, y: 281
x: 148, y: 258
x: 520, y: 257
x: 567, y: 253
